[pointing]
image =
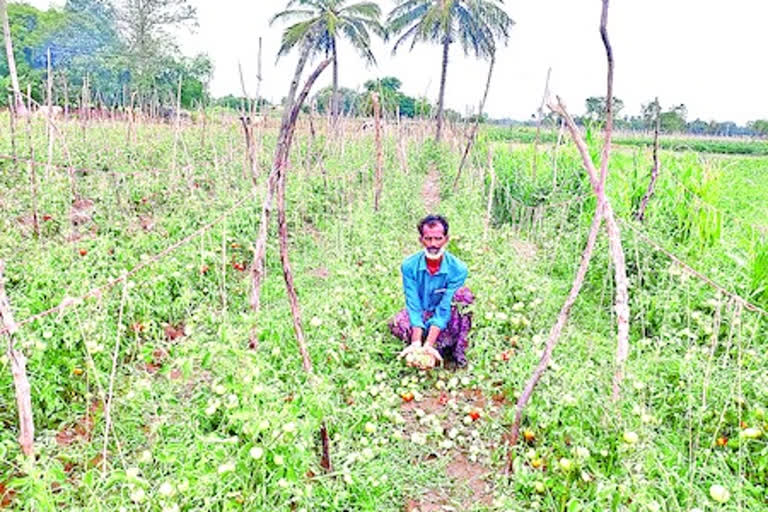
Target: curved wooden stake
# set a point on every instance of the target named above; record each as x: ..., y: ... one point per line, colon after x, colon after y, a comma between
x: 554, y: 333
x: 19, y: 372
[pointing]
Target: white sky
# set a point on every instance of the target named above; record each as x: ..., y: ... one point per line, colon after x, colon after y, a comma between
x: 708, y: 54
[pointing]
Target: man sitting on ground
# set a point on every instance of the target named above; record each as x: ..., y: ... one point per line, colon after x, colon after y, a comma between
x: 435, y: 299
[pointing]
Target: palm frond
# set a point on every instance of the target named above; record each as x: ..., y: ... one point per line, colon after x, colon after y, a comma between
x: 411, y: 33
x: 289, y: 14
x: 359, y: 38
x: 292, y: 35
x: 368, y: 10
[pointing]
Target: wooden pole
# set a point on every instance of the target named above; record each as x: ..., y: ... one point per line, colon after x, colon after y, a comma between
x: 379, y: 152
x: 554, y: 333
x: 602, y: 212
x: 640, y: 216
x: 18, y: 100
x: 49, y: 114
x: 489, y: 206
x: 475, y: 126
x: 538, y: 126
x: 19, y: 372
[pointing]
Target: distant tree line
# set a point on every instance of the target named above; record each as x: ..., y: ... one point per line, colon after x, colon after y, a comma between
x: 393, y: 101
x: 122, y: 50
x: 673, y: 119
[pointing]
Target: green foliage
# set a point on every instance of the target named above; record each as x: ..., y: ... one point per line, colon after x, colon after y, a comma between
x: 596, y: 108
x: 223, y: 418
x: 322, y: 22
x: 475, y: 25
x: 696, y: 144
x: 109, y: 46
x: 759, y: 273
x: 760, y: 126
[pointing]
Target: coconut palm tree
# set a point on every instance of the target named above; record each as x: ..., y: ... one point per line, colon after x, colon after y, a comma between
x: 17, y: 99
x: 475, y: 24
x: 321, y: 23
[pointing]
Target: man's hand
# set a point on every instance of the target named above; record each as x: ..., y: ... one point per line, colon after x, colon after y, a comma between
x: 414, y: 350
x: 415, y: 346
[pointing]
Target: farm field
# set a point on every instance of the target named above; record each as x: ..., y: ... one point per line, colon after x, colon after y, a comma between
x: 211, y: 408
x: 702, y: 144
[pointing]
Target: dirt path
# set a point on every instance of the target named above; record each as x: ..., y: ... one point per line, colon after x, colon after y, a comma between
x: 430, y: 191
x: 467, y: 480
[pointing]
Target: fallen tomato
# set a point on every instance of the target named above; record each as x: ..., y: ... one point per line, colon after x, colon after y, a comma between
x: 722, y: 441
x: 407, y: 396
x: 83, y: 252
x: 474, y: 414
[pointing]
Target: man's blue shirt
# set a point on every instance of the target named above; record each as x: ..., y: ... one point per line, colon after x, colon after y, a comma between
x: 431, y: 293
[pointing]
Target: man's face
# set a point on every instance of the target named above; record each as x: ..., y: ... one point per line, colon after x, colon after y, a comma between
x: 433, y: 239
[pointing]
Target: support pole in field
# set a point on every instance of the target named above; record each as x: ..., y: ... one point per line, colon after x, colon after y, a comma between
x: 12, y: 123
x: 554, y: 154
x: 281, y: 158
x: 176, y: 127
x: 491, y: 190
x: 475, y: 126
x: 49, y: 113
x: 401, y: 145
x: 540, y: 116
x: 603, y: 211
x: 379, y: 152
x: 277, y: 182
x: 19, y: 372
x: 640, y: 216
x: 246, y: 119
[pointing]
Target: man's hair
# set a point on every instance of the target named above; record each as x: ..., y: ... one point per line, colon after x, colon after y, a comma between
x: 431, y: 220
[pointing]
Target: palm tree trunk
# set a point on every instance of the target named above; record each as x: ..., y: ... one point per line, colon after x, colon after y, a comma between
x: 335, y: 100
x: 440, y: 101
x: 17, y: 99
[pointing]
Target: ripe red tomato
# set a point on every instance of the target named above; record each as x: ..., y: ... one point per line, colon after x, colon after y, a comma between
x: 83, y: 252
x: 407, y: 396
x: 474, y: 414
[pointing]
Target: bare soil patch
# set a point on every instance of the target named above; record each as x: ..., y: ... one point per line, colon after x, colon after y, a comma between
x: 468, y: 479
x: 430, y: 191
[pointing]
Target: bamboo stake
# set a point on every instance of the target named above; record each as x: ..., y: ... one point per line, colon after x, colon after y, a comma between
x: 490, y: 196
x: 554, y: 154
x: 603, y: 211
x: 33, y: 188
x: 19, y: 372
x: 538, y: 126
x: 282, y: 150
x: 379, y: 153
x: 49, y: 102
x: 401, y: 151
x: 475, y: 126
x: 177, y: 126
x: 108, y: 400
x: 12, y: 122
x: 654, y: 170
x: 554, y: 333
